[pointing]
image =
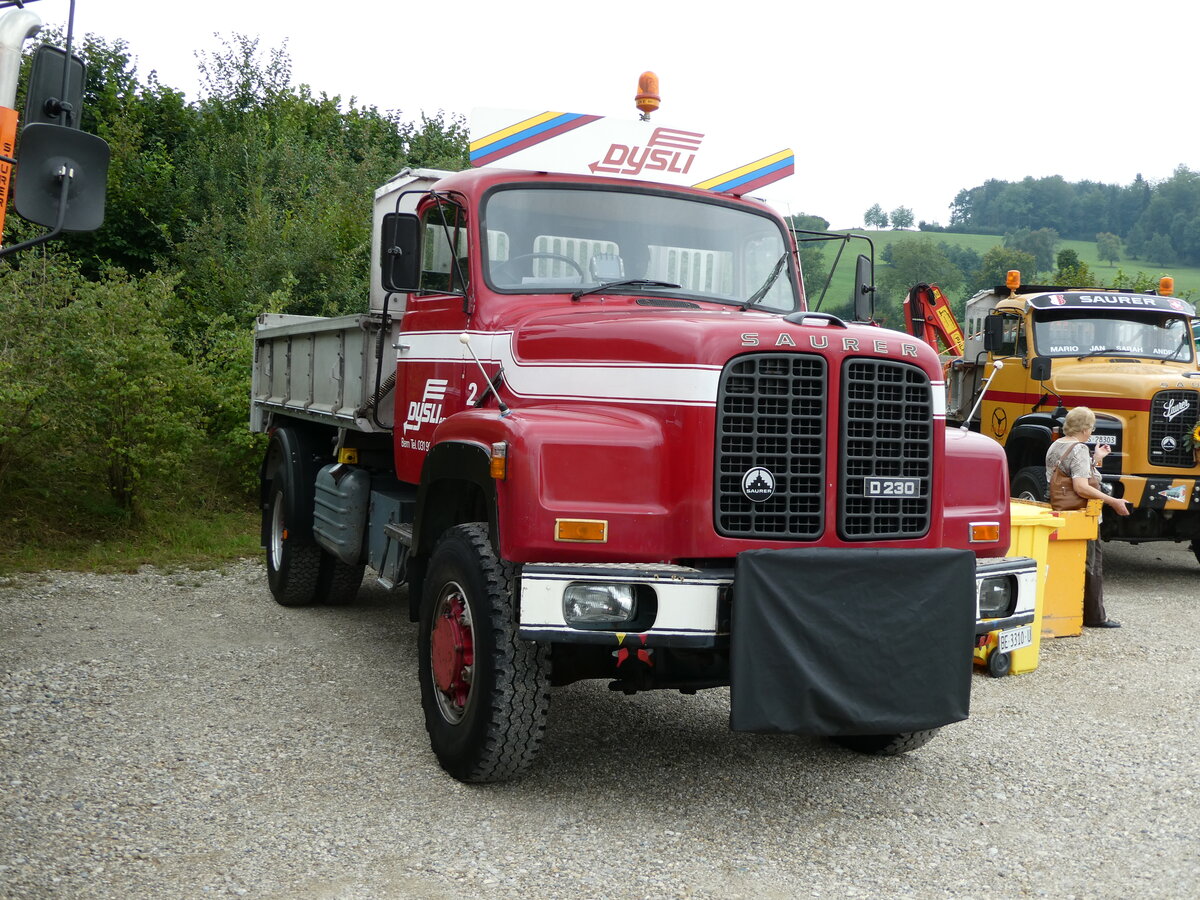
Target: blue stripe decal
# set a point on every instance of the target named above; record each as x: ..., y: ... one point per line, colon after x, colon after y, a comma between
x: 524, y: 135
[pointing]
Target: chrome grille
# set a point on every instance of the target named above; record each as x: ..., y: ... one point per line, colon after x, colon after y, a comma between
x: 771, y: 414
x: 1172, y: 417
x: 886, y: 432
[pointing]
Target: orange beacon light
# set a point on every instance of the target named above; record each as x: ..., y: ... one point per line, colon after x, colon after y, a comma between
x: 647, y: 98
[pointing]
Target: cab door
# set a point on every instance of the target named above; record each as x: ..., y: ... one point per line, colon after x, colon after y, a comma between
x: 429, y: 367
x: 1008, y: 397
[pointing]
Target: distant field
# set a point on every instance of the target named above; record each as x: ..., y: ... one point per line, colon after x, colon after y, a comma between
x: 1187, y: 280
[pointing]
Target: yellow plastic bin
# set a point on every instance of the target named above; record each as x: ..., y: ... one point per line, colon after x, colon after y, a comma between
x: 1032, y: 527
x: 1062, y: 609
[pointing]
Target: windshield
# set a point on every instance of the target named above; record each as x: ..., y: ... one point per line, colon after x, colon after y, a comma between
x: 1147, y: 334
x: 546, y: 240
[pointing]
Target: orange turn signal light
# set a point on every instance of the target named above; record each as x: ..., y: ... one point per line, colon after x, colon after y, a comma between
x: 985, y: 532
x: 1166, y: 286
x: 1013, y: 279
x: 577, y: 530
x: 499, y: 464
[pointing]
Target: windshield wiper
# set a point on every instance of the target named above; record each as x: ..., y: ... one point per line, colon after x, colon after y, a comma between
x: 1174, y: 354
x: 1107, y: 351
x: 768, y: 284
x: 624, y: 282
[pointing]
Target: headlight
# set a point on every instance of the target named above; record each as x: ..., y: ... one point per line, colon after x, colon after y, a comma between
x: 997, y: 596
x: 590, y: 605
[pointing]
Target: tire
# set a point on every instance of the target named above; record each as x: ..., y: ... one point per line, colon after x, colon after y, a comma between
x: 886, y: 744
x: 293, y: 567
x: 1031, y: 484
x: 338, y: 583
x: 294, y: 562
x: 485, y: 692
x: 999, y: 664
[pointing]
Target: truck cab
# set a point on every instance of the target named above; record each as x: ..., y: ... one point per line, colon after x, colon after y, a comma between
x: 1129, y: 356
x: 593, y: 427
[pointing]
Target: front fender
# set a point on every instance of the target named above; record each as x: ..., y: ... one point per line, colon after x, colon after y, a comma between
x: 1030, y: 438
x: 975, y: 492
x: 582, y: 462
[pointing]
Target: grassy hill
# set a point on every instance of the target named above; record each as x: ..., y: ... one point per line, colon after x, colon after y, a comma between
x: 1187, y: 279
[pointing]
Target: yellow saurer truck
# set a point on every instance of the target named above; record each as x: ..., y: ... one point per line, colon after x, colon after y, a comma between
x: 1129, y: 356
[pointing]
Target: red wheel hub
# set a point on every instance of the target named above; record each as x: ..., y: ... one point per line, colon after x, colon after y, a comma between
x: 452, y: 652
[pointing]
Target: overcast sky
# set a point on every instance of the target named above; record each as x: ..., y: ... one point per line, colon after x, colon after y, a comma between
x: 883, y: 102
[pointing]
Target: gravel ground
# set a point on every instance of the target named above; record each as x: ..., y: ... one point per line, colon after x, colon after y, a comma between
x: 178, y: 734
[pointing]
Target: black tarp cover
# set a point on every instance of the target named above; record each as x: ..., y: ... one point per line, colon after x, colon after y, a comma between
x: 846, y: 642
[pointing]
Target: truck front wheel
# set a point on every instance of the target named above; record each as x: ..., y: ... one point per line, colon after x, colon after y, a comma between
x: 886, y: 744
x: 1030, y: 484
x: 484, y: 691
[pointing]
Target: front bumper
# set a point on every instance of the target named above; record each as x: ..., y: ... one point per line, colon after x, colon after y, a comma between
x: 1158, y: 492
x: 693, y: 607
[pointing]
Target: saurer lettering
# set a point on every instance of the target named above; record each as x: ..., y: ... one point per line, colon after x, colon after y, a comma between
x: 821, y: 342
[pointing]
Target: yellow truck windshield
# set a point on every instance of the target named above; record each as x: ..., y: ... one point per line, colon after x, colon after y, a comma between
x: 1128, y: 333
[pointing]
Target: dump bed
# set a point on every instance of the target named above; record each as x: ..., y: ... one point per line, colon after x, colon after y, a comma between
x: 322, y: 369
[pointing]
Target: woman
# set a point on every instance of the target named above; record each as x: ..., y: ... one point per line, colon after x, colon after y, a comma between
x: 1069, y: 454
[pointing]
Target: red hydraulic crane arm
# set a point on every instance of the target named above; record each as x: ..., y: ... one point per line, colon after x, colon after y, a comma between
x: 927, y: 316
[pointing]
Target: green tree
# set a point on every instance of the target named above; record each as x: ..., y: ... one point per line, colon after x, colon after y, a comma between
x: 1038, y: 243
x: 1134, y: 281
x: 1108, y: 246
x: 875, y: 217
x: 1071, y: 271
x: 996, y: 263
x: 1067, y: 259
x: 965, y: 259
x: 902, y: 217
x: 136, y: 397
x: 96, y: 394
x: 1159, y: 249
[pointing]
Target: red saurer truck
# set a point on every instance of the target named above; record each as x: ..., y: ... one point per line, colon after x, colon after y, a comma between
x: 591, y: 425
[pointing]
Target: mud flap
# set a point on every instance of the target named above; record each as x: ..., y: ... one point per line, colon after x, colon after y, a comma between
x: 847, y: 642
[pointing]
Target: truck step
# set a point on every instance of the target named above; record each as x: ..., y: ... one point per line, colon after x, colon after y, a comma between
x: 401, y: 531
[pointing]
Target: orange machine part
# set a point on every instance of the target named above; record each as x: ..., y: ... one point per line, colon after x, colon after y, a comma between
x: 8, y: 137
x: 927, y: 316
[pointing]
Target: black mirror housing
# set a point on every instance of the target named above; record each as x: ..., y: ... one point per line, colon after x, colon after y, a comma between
x: 1039, y: 369
x: 863, y: 301
x: 48, y: 155
x: 44, y: 101
x: 993, y: 333
x: 400, y: 252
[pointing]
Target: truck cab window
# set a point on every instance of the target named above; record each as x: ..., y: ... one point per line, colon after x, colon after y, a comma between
x: 565, y: 239
x: 445, y: 240
x: 1140, y: 333
x: 1013, y: 343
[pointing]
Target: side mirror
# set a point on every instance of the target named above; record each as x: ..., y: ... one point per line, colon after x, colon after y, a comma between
x: 45, y: 101
x: 62, y: 174
x: 863, y: 301
x: 1039, y: 369
x: 993, y: 334
x: 400, y: 252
